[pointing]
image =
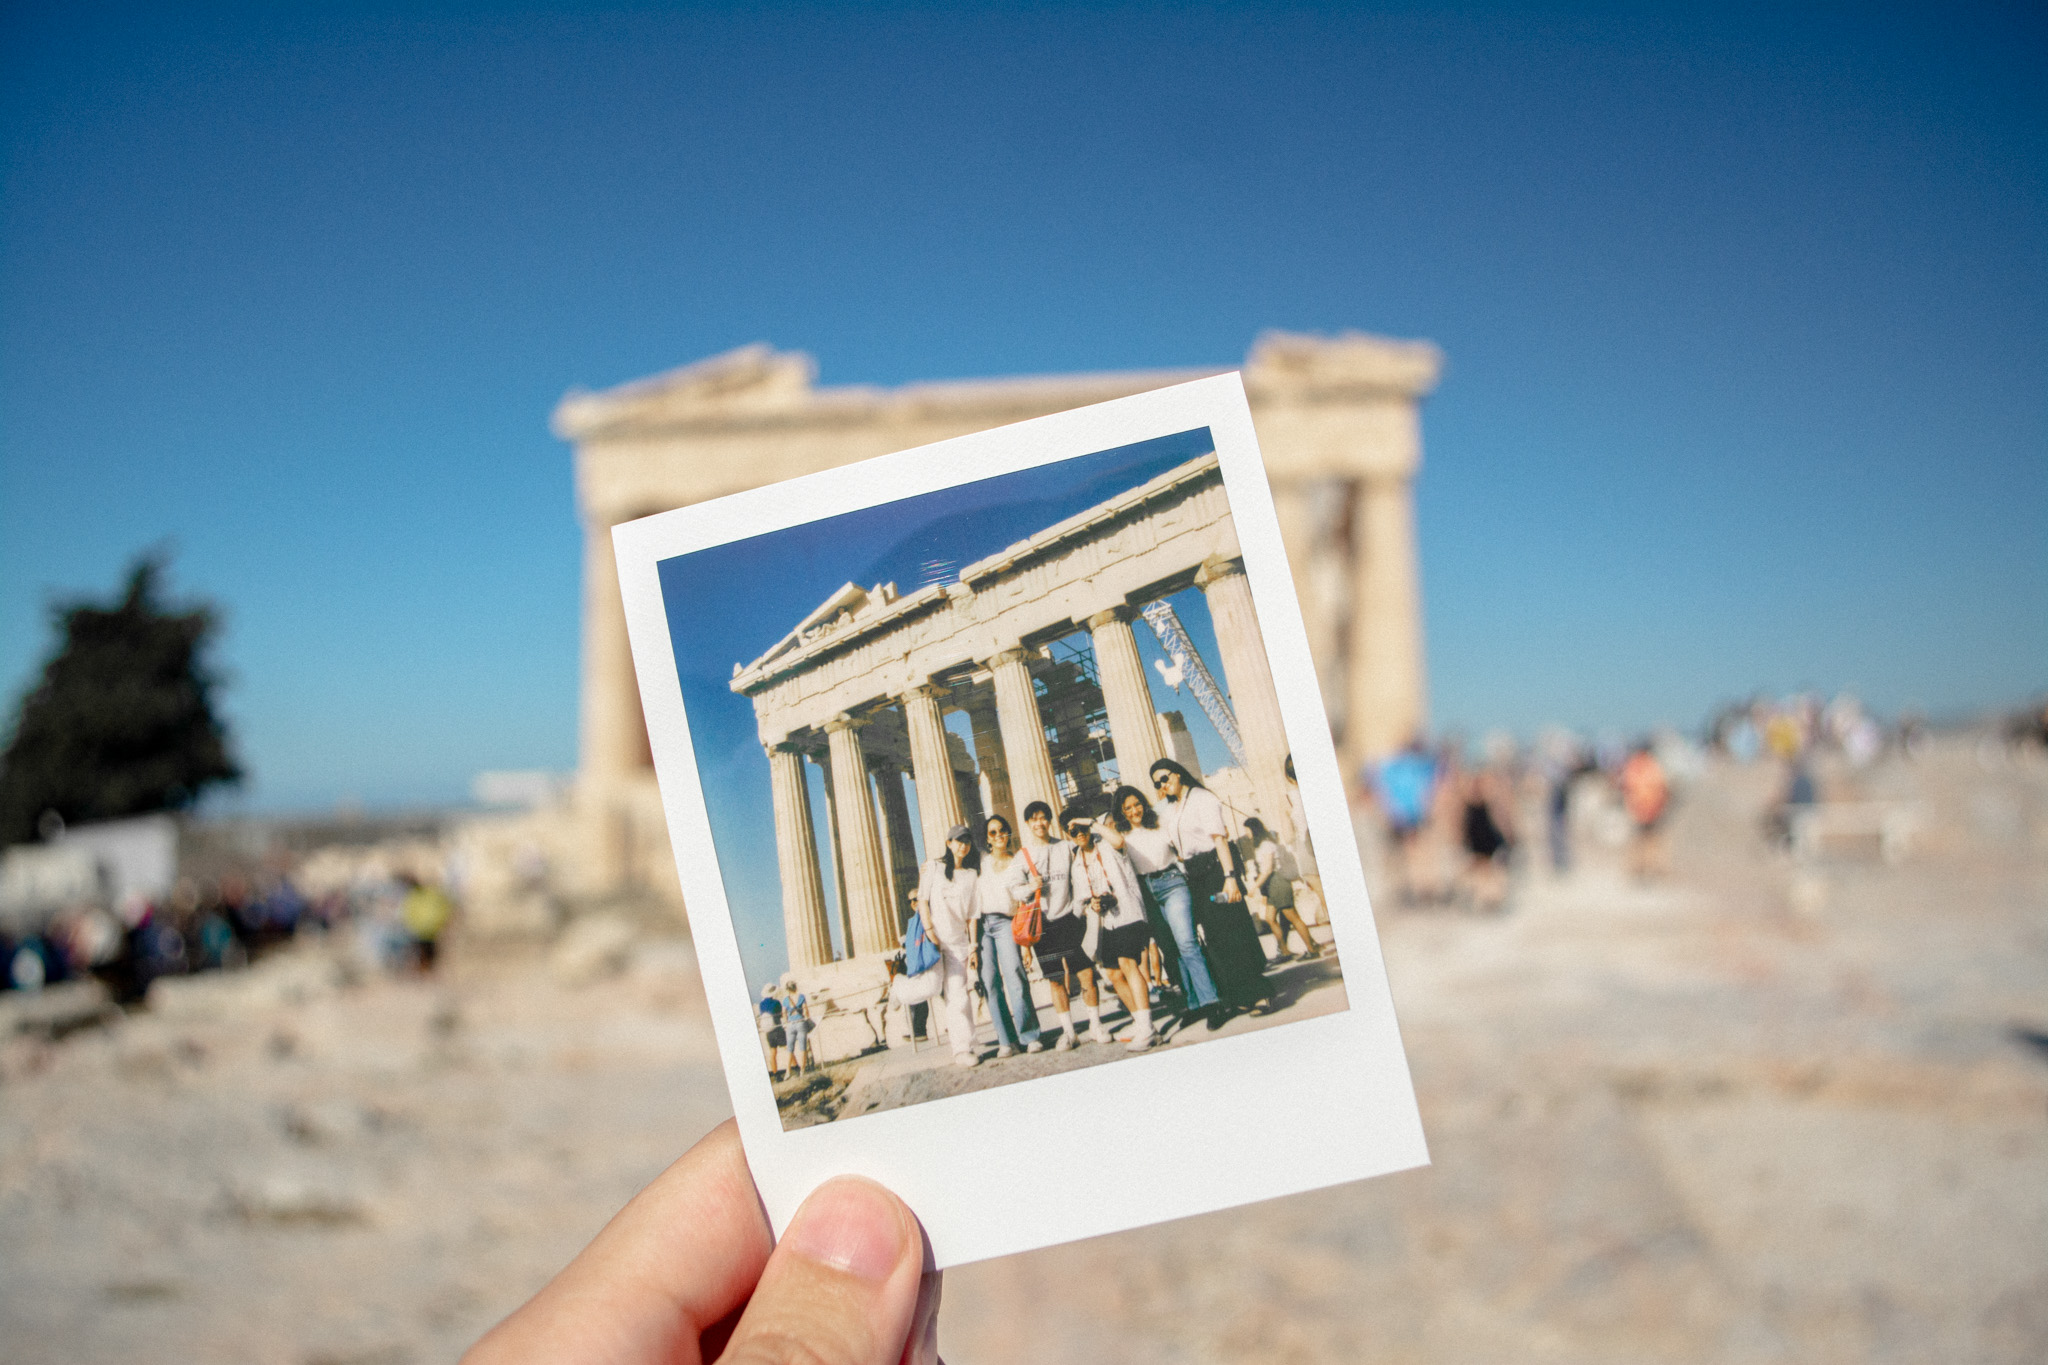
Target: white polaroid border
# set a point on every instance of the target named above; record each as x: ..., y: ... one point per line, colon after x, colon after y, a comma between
x: 1167, y: 1134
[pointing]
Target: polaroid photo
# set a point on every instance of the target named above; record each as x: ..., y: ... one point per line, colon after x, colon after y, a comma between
x: 1013, y: 840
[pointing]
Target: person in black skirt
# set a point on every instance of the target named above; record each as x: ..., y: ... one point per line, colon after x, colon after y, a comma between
x: 1194, y: 817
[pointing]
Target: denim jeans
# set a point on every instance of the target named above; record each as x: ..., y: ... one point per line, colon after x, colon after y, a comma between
x: 1170, y: 890
x: 1002, y: 978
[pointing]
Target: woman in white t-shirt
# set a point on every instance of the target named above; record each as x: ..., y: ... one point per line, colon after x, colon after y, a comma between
x: 946, y: 902
x: 1010, y: 1007
x: 1134, y: 827
x: 1192, y: 815
x: 1105, y: 885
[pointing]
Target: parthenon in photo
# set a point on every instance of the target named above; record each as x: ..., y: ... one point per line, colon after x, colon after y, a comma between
x: 1339, y: 425
x: 862, y: 685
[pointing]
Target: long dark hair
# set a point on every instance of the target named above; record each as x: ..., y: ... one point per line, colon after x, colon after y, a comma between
x: 1256, y: 827
x: 972, y: 862
x: 1150, y: 820
x: 1167, y: 765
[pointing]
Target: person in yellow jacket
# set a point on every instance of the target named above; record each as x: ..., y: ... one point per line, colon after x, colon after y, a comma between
x: 426, y: 911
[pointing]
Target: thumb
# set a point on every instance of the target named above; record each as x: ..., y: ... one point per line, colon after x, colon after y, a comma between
x: 843, y: 1286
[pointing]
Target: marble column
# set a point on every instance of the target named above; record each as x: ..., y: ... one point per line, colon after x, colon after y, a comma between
x: 873, y: 922
x: 796, y: 851
x: 1311, y: 513
x: 612, y: 745
x: 1249, y: 676
x: 897, y: 847
x: 1133, y: 724
x: 1025, y: 755
x: 988, y: 752
x: 845, y: 925
x: 1388, y: 698
x: 931, y: 767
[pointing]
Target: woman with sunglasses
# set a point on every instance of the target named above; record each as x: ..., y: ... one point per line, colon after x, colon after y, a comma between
x: 996, y: 896
x: 1107, y: 887
x: 1194, y: 818
x: 1134, y: 827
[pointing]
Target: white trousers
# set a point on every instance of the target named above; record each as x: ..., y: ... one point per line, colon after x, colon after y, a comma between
x: 959, y: 1000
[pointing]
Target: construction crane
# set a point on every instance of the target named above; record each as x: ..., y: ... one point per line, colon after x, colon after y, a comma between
x: 1188, y: 665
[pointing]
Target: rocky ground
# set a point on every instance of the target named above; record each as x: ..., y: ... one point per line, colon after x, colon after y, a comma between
x: 1764, y: 1111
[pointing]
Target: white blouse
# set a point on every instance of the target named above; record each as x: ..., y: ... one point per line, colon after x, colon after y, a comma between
x: 949, y: 903
x: 1150, y: 850
x: 1195, y: 822
x: 995, y: 894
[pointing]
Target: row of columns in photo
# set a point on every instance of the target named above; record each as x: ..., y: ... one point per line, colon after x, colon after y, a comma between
x: 874, y: 862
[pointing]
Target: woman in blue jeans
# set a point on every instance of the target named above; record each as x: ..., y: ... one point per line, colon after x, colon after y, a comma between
x: 1136, y: 830
x: 1003, y: 883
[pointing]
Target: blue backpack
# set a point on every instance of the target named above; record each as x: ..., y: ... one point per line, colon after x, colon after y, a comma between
x: 920, y: 954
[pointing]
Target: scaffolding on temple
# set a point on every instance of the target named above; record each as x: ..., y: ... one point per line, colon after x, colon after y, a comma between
x: 1173, y: 638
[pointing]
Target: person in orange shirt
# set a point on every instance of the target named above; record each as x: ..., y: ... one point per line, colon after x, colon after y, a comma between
x: 1646, y: 796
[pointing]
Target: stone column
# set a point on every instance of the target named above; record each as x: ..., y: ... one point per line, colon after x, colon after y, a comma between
x: 931, y: 767
x: 1309, y: 512
x: 1249, y: 676
x: 1025, y: 756
x: 988, y: 752
x: 796, y: 851
x: 873, y: 922
x: 838, y: 853
x: 1388, y: 701
x: 896, y: 843
x: 1133, y: 723
x: 612, y: 745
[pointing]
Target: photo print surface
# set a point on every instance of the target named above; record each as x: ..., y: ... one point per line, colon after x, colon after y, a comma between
x: 998, y: 782
x: 975, y: 760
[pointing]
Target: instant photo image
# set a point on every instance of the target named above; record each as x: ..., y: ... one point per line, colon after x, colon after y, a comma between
x: 996, y: 772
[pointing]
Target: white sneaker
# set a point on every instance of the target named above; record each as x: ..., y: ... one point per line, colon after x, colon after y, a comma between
x: 1140, y: 1041
x: 1098, y: 1034
x: 1065, y: 1044
x: 1005, y: 1051
x: 966, y: 1059
x: 1036, y: 1045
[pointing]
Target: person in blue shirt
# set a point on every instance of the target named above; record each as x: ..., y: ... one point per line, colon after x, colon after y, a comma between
x: 768, y: 1013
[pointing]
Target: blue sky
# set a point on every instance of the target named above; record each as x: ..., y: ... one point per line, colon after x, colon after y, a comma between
x: 1745, y: 311
x: 731, y: 603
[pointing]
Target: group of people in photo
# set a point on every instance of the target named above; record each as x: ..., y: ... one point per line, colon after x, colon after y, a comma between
x: 783, y: 1014
x: 1148, y: 894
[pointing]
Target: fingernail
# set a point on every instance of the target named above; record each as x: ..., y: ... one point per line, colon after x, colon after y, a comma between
x: 850, y: 1225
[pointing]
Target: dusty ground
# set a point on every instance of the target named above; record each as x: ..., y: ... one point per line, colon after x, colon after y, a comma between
x: 1762, y: 1112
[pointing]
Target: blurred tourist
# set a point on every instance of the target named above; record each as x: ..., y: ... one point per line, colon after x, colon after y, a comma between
x: 1304, y: 849
x: 1272, y: 879
x: 426, y: 912
x: 1405, y: 786
x: 796, y: 1020
x: 774, y: 1033
x: 1485, y: 826
x: 1646, y: 796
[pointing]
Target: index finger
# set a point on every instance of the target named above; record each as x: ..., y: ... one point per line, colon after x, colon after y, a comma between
x: 683, y: 1255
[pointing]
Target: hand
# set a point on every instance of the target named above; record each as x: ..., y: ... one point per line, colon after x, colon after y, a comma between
x: 689, y: 1272
x: 1231, y: 891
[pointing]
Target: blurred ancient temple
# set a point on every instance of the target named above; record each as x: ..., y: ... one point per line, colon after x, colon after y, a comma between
x: 1338, y: 420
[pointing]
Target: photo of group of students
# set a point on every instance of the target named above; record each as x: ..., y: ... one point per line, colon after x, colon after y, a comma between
x: 1153, y: 894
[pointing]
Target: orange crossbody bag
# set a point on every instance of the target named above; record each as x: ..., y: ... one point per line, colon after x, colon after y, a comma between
x: 1027, y: 923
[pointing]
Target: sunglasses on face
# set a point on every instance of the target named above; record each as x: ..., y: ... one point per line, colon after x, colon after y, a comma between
x: 1160, y: 781
x: 1077, y: 829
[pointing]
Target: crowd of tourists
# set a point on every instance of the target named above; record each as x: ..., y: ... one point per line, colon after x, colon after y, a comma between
x: 1157, y: 896
x: 220, y: 926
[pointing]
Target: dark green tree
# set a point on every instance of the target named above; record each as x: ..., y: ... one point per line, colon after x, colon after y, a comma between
x: 121, y: 721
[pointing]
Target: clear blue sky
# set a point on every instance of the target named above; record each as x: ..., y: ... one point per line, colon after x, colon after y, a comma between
x: 731, y: 603
x: 1746, y: 315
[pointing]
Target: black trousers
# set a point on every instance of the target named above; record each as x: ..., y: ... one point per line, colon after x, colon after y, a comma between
x: 1231, y: 939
